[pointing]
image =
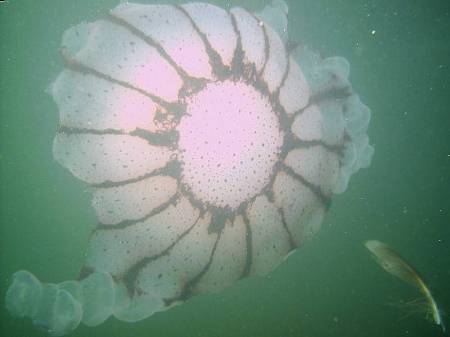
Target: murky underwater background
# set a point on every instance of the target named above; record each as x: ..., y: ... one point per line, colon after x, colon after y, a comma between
x: 399, y: 52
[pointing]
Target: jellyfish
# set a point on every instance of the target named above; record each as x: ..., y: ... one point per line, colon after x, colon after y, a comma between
x: 212, y: 149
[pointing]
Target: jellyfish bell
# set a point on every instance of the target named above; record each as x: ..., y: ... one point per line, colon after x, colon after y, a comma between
x: 213, y: 151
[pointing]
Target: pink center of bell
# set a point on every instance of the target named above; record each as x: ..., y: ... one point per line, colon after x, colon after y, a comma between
x: 229, y: 141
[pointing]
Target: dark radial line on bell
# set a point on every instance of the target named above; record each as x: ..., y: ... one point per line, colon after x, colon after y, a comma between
x: 237, y: 64
x: 151, y: 42
x: 186, y: 192
x: 85, y: 271
x: 84, y: 131
x: 336, y: 149
x: 285, y: 75
x: 284, y: 119
x: 292, y: 244
x: 171, y: 169
x: 190, y: 284
x: 81, y: 68
x: 215, y: 60
x: 292, y: 142
x: 332, y: 93
x: 165, y: 139
x: 326, y: 201
x: 300, y: 111
x: 127, y: 223
x: 131, y: 274
x: 329, y: 94
x: 249, y: 246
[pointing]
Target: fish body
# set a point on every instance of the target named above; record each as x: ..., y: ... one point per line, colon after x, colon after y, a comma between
x: 395, y: 265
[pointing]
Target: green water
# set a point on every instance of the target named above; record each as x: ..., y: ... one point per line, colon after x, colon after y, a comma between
x: 330, y: 287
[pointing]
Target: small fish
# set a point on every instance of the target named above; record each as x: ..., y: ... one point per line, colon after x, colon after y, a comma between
x: 391, y: 261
